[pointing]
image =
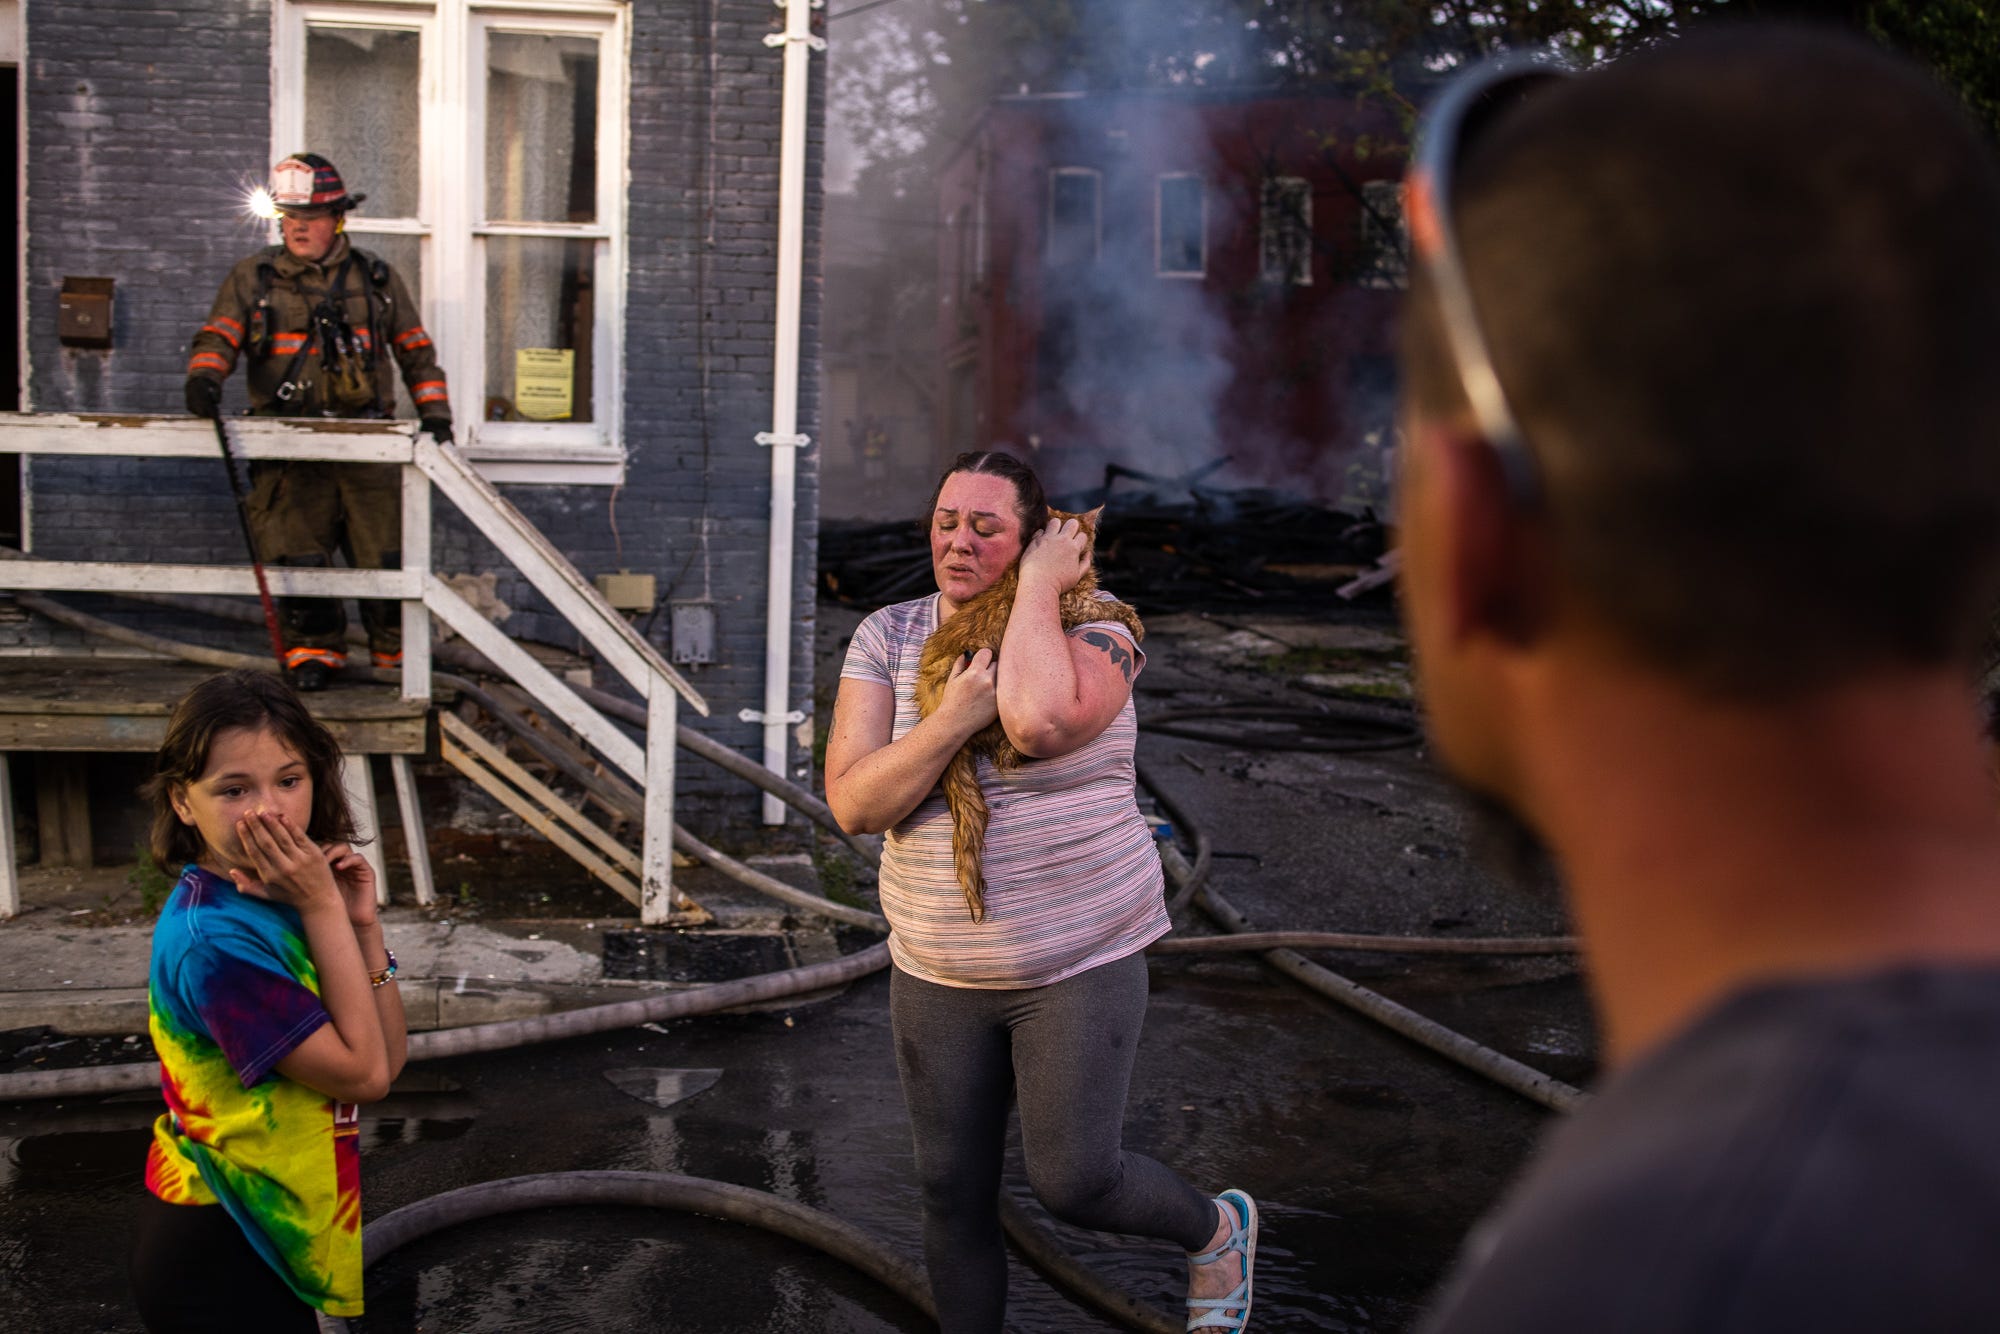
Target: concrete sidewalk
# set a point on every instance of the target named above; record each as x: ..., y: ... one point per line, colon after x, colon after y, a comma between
x: 91, y: 980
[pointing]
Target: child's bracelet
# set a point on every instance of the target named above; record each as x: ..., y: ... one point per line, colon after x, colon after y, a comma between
x: 387, y: 975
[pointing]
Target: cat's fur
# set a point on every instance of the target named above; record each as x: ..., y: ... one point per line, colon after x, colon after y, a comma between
x: 979, y: 624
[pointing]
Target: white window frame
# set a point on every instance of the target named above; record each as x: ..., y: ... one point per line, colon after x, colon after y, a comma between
x: 1097, y: 230
x: 1160, y: 228
x: 451, y: 210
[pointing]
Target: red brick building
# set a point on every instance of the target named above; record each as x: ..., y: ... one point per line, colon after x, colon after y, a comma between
x: 1159, y: 280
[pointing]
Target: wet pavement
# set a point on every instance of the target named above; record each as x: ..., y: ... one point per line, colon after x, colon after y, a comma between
x: 1369, y: 1157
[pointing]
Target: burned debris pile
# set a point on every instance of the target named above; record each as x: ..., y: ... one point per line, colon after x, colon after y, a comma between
x: 1171, y: 546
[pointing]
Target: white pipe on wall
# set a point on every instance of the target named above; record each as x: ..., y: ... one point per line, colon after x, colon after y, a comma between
x: 783, y: 439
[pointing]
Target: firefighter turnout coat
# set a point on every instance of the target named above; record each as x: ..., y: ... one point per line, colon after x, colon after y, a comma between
x: 266, y: 311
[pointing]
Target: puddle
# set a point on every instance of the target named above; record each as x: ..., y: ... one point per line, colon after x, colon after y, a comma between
x: 662, y: 1088
x: 582, y: 1271
x: 694, y: 956
x: 1369, y: 1160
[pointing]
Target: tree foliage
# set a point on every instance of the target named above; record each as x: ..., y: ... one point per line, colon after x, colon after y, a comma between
x: 910, y: 77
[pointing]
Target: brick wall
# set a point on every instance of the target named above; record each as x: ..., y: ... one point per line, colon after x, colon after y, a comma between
x: 146, y: 118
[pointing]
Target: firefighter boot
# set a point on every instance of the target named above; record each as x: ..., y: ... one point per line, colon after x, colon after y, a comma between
x: 315, y: 633
x: 310, y: 669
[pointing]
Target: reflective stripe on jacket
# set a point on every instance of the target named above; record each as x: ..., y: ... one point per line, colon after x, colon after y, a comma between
x: 295, y: 287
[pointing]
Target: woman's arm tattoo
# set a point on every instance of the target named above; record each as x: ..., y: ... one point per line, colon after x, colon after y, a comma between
x: 1121, y: 657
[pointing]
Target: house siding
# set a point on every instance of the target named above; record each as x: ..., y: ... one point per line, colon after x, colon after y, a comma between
x: 146, y: 121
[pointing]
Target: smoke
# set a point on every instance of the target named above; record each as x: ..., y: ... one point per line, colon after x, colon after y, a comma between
x: 1172, y: 351
x: 1132, y: 366
x: 1163, y: 368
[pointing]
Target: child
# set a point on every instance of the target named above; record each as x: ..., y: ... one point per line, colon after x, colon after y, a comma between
x: 274, y: 1011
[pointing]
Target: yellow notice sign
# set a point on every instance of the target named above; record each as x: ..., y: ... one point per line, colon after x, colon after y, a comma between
x: 542, y: 380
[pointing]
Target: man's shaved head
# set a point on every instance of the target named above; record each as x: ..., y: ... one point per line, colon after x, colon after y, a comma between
x: 1743, y: 291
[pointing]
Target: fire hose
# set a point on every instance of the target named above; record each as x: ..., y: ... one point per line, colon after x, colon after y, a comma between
x: 819, y: 1230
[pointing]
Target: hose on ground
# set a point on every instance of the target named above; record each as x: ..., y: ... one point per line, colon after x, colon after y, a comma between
x: 868, y: 846
x: 120, y: 634
x: 1067, y: 1274
x: 649, y: 1009
x: 1503, y: 1070
x: 467, y: 658
x: 1204, y: 851
x: 1034, y: 1242
x: 772, y: 887
x: 27, y: 1084
x: 616, y: 794
x: 1362, y: 944
x: 627, y: 801
x: 620, y: 796
x: 1263, y: 727
x: 753, y: 1208
x: 654, y: 1190
x: 691, y: 1194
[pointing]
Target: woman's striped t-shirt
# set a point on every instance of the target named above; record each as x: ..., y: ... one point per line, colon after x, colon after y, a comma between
x: 1072, y: 877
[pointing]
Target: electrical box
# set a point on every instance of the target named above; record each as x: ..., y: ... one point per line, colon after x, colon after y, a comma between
x: 693, y: 634
x: 627, y: 591
x: 83, y: 317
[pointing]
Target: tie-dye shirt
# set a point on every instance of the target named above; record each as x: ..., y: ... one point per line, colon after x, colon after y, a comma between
x: 1072, y: 877
x: 233, y: 992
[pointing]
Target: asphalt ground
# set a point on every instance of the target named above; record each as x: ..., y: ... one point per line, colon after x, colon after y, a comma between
x: 1370, y: 1157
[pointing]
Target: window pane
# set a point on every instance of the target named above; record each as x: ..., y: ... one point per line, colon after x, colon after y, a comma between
x: 1384, y: 241
x: 1072, y: 218
x: 361, y: 113
x: 404, y: 254
x: 541, y: 128
x: 541, y: 309
x: 1180, y: 224
x: 1285, y: 231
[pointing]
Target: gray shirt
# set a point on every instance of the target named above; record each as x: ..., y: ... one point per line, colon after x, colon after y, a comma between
x: 1817, y: 1157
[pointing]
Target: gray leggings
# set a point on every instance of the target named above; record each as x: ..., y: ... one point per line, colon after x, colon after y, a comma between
x: 1066, y: 1051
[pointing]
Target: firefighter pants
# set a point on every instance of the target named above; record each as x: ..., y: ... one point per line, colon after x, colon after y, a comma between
x: 302, y: 513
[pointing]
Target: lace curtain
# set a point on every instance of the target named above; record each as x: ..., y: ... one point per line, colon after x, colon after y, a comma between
x: 361, y: 113
x: 541, y: 167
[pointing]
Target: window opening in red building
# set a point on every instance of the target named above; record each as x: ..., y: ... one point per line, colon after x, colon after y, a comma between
x: 1285, y: 231
x: 1385, y: 245
x: 1075, y: 214
x: 1181, y: 209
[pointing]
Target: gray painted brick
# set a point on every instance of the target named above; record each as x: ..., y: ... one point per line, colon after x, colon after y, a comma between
x: 147, y: 111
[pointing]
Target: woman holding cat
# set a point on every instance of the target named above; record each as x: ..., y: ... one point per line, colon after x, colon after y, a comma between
x: 1042, y: 992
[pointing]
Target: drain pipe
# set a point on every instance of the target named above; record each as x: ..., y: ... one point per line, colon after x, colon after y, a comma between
x: 783, y: 438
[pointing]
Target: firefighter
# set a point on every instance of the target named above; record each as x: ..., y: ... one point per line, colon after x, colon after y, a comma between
x: 318, y: 322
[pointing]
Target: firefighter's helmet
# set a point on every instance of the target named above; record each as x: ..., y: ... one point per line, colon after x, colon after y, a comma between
x: 307, y: 184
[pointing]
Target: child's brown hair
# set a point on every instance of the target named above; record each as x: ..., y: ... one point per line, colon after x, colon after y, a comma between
x: 254, y: 701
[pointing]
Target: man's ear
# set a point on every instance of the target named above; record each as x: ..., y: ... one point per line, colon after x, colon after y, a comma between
x: 1498, y: 564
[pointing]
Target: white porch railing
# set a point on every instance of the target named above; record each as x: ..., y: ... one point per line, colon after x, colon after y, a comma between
x: 426, y: 465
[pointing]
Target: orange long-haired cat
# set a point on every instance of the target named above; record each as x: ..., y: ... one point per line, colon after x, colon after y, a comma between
x: 980, y: 623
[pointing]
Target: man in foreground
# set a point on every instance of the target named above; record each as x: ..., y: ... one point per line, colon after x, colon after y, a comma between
x: 1701, y: 528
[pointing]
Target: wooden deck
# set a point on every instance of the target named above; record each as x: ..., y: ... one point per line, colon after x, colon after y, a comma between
x: 87, y: 704
x: 92, y: 704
